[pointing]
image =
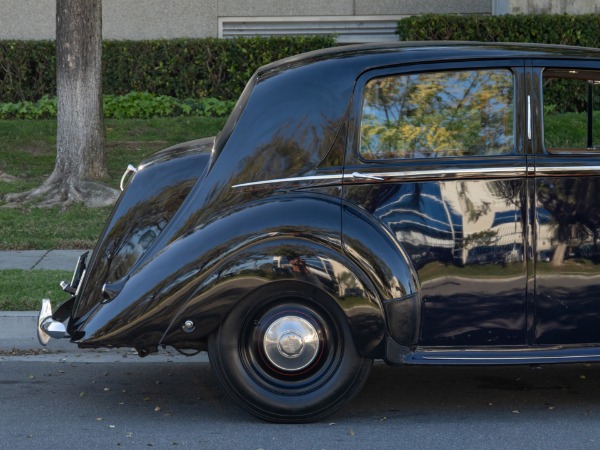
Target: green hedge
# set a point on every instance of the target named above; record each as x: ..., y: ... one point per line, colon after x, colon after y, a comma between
x: 581, y: 30
x: 134, y: 105
x: 181, y: 68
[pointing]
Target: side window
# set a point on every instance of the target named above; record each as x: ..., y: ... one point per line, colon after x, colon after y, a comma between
x: 429, y: 115
x: 571, y: 104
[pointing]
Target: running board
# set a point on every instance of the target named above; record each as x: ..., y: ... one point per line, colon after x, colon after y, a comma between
x: 496, y: 356
x: 505, y: 357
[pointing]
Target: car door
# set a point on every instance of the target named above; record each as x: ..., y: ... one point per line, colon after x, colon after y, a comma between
x: 567, y: 186
x: 437, y: 158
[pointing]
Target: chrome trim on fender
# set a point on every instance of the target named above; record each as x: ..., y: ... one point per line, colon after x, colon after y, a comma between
x: 130, y: 169
x: 290, y: 180
x: 503, y: 172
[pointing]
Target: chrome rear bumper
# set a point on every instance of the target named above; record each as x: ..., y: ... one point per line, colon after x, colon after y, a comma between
x: 52, y: 325
x: 47, y: 326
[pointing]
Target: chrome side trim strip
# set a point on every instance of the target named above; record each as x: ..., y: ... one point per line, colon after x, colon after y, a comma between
x: 291, y: 180
x: 567, y: 170
x: 502, y: 172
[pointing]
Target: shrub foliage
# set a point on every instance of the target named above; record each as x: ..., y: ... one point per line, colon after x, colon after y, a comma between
x: 133, y: 105
x: 180, y: 68
x: 580, y: 30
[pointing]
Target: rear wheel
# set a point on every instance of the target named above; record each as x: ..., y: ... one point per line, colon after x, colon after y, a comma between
x: 288, y: 357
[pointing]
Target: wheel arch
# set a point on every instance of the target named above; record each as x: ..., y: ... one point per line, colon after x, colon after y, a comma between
x: 297, y: 265
x: 372, y: 247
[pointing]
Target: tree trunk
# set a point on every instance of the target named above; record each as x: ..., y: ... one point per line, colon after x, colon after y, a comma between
x: 80, y: 139
x: 81, y: 156
x: 559, y: 254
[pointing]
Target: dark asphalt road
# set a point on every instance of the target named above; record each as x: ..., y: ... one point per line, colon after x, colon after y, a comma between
x: 52, y: 403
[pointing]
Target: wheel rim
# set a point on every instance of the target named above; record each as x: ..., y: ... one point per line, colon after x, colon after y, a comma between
x: 290, y: 347
x: 291, y: 343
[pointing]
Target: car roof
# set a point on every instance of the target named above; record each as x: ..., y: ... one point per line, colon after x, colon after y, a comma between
x: 424, y: 51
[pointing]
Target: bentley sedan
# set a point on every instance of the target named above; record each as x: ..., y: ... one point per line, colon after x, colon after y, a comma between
x: 417, y: 203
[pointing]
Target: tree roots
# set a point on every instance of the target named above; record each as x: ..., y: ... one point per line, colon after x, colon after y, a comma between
x: 57, y: 191
x: 7, y: 178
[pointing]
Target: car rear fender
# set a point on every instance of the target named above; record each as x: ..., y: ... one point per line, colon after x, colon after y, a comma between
x: 371, y: 247
x: 147, y: 301
x: 276, y: 265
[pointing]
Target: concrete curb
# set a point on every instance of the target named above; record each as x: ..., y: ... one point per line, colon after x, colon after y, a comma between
x: 40, y: 259
x: 18, y: 341
x: 18, y: 331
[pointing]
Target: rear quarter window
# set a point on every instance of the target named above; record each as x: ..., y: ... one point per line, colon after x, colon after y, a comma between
x: 571, y: 100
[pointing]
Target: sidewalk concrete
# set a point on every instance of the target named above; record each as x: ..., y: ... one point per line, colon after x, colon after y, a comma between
x: 40, y: 259
x: 18, y: 328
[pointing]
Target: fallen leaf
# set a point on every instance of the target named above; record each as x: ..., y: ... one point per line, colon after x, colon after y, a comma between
x: 111, y: 426
x: 157, y: 409
x: 351, y: 432
x: 515, y: 412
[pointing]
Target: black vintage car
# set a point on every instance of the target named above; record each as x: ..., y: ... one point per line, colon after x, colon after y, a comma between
x: 417, y: 203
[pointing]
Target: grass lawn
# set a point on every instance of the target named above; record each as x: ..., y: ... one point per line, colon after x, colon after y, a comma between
x: 23, y: 290
x: 28, y: 151
x: 569, y: 130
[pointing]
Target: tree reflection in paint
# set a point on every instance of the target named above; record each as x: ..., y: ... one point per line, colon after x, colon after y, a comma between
x: 463, y: 113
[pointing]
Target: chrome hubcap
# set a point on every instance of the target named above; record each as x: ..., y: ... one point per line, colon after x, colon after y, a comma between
x: 291, y: 343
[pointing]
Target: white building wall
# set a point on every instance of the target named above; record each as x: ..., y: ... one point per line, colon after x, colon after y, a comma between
x: 554, y: 6
x: 166, y: 19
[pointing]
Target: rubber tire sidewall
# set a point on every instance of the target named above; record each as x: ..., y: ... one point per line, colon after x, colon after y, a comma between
x: 350, y: 375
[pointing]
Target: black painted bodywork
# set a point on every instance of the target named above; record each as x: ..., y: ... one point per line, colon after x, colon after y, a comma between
x: 270, y: 202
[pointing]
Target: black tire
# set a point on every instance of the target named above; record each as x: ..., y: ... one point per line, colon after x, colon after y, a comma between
x: 258, y: 378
